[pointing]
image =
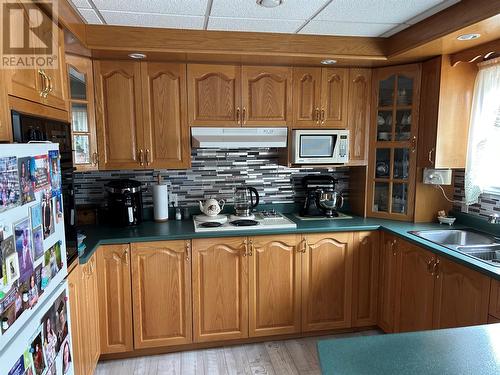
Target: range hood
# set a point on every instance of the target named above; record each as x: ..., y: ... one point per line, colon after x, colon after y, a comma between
x: 204, y: 137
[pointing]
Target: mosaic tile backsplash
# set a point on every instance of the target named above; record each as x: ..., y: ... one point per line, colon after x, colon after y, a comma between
x: 214, y: 173
x: 487, y: 205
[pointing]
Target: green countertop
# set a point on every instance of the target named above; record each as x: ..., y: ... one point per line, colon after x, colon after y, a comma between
x: 174, y: 230
x: 469, y: 350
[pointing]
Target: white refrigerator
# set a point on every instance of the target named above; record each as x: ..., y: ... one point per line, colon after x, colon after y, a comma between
x: 35, y: 335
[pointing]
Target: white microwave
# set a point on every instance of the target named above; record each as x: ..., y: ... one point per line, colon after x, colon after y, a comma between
x: 320, y: 146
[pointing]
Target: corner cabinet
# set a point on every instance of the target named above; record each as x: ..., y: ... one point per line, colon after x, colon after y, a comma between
x: 137, y: 104
x: 161, y: 293
x: 393, y: 142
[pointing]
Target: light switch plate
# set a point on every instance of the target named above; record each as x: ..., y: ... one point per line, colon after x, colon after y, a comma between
x: 437, y: 176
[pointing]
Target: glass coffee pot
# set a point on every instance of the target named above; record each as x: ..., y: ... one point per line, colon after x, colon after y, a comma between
x: 246, y: 198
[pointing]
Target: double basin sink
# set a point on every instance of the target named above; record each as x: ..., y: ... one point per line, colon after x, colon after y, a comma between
x: 478, y: 245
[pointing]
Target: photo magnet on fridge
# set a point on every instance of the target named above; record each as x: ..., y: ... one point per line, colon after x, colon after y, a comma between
x: 9, y: 184
x: 36, y: 215
x: 38, y: 242
x: 55, y: 172
x: 24, y: 248
x: 26, y: 180
x: 36, y: 350
x: 47, y: 214
x: 41, y: 172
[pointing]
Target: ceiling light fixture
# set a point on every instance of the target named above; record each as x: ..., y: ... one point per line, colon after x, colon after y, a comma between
x: 468, y: 36
x: 138, y: 56
x: 328, y: 62
x: 269, y: 3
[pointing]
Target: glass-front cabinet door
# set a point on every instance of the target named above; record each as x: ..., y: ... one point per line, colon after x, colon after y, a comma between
x: 81, y: 90
x: 393, y: 142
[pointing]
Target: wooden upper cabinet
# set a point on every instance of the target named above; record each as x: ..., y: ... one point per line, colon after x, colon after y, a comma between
x: 214, y: 97
x: 166, y: 133
x: 358, y: 116
x: 387, y: 283
x: 115, y: 298
x: 306, y: 96
x: 161, y: 289
x: 365, y: 278
x: 461, y: 297
x: 220, y: 289
x: 119, y: 114
x: 327, y: 281
x: 266, y: 94
x: 414, y: 303
x: 334, y: 96
x: 274, y: 279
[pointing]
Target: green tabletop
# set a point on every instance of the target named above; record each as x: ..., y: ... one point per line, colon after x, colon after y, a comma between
x: 455, y: 351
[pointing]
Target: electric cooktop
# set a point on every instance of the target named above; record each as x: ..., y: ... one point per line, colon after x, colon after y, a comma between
x: 263, y: 220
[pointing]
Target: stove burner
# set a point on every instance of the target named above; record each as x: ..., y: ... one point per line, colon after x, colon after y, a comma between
x: 210, y: 224
x: 243, y: 223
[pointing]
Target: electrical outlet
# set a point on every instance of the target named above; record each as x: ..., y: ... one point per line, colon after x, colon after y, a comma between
x: 437, y: 176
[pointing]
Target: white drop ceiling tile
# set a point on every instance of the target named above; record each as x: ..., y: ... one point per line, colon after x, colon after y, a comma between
x: 395, y: 30
x: 254, y: 25
x: 90, y: 16
x: 173, y: 7
x: 153, y: 20
x: 81, y: 4
x: 380, y: 11
x: 290, y: 9
x: 346, y: 28
x: 436, y: 9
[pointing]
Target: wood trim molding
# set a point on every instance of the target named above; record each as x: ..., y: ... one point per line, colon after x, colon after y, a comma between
x: 476, y: 54
x: 119, y: 38
x: 32, y: 108
x: 69, y: 18
x: 454, y: 18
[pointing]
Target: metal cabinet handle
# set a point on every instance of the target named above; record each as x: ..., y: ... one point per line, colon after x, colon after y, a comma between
x: 46, y: 86
x: 430, y: 156
x: 322, y: 117
x: 147, y: 157
x: 252, y: 248
x: 141, y: 157
x: 244, y: 115
x: 430, y: 266
x: 413, y: 143
x: 393, y: 247
x: 51, y: 87
x: 125, y: 257
x: 238, y: 113
x: 317, y: 116
x: 188, y: 250
x: 95, y: 158
x: 435, y: 269
x: 245, y: 243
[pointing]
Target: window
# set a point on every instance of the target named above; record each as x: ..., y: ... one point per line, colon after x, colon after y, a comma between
x: 482, y: 172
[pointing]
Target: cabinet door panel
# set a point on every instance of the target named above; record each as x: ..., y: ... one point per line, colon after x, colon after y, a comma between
x: 91, y: 304
x: 161, y: 284
x: 306, y: 97
x: 461, y: 296
x: 274, y: 281
x: 214, y: 95
x: 358, y: 118
x: 165, y: 124
x: 118, y: 114
x: 115, y: 298
x: 77, y: 315
x: 387, y: 290
x: 334, y: 95
x: 415, y: 303
x: 327, y: 281
x: 365, y: 279
x: 266, y: 95
x: 495, y: 298
x: 220, y: 289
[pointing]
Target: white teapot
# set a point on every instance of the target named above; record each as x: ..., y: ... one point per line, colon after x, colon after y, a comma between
x: 212, y: 207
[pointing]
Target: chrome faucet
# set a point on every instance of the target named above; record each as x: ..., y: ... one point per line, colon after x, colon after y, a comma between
x: 494, y: 219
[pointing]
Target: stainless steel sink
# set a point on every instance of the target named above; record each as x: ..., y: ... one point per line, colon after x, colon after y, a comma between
x: 480, y: 246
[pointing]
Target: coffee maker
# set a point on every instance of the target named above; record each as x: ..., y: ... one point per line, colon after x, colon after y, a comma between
x: 321, y: 198
x: 124, y: 202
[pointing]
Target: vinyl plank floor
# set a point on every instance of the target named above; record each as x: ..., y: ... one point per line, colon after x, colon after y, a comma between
x: 286, y: 357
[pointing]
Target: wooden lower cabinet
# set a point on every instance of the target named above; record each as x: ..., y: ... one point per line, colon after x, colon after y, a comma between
x: 387, y: 282
x: 82, y: 284
x: 115, y: 298
x: 495, y: 299
x: 161, y: 293
x: 365, y: 278
x: 326, y: 281
x: 274, y: 285
x: 415, y: 290
x: 461, y: 296
x: 220, y: 288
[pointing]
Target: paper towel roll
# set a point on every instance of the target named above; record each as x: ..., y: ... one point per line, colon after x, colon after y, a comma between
x: 160, y: 202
